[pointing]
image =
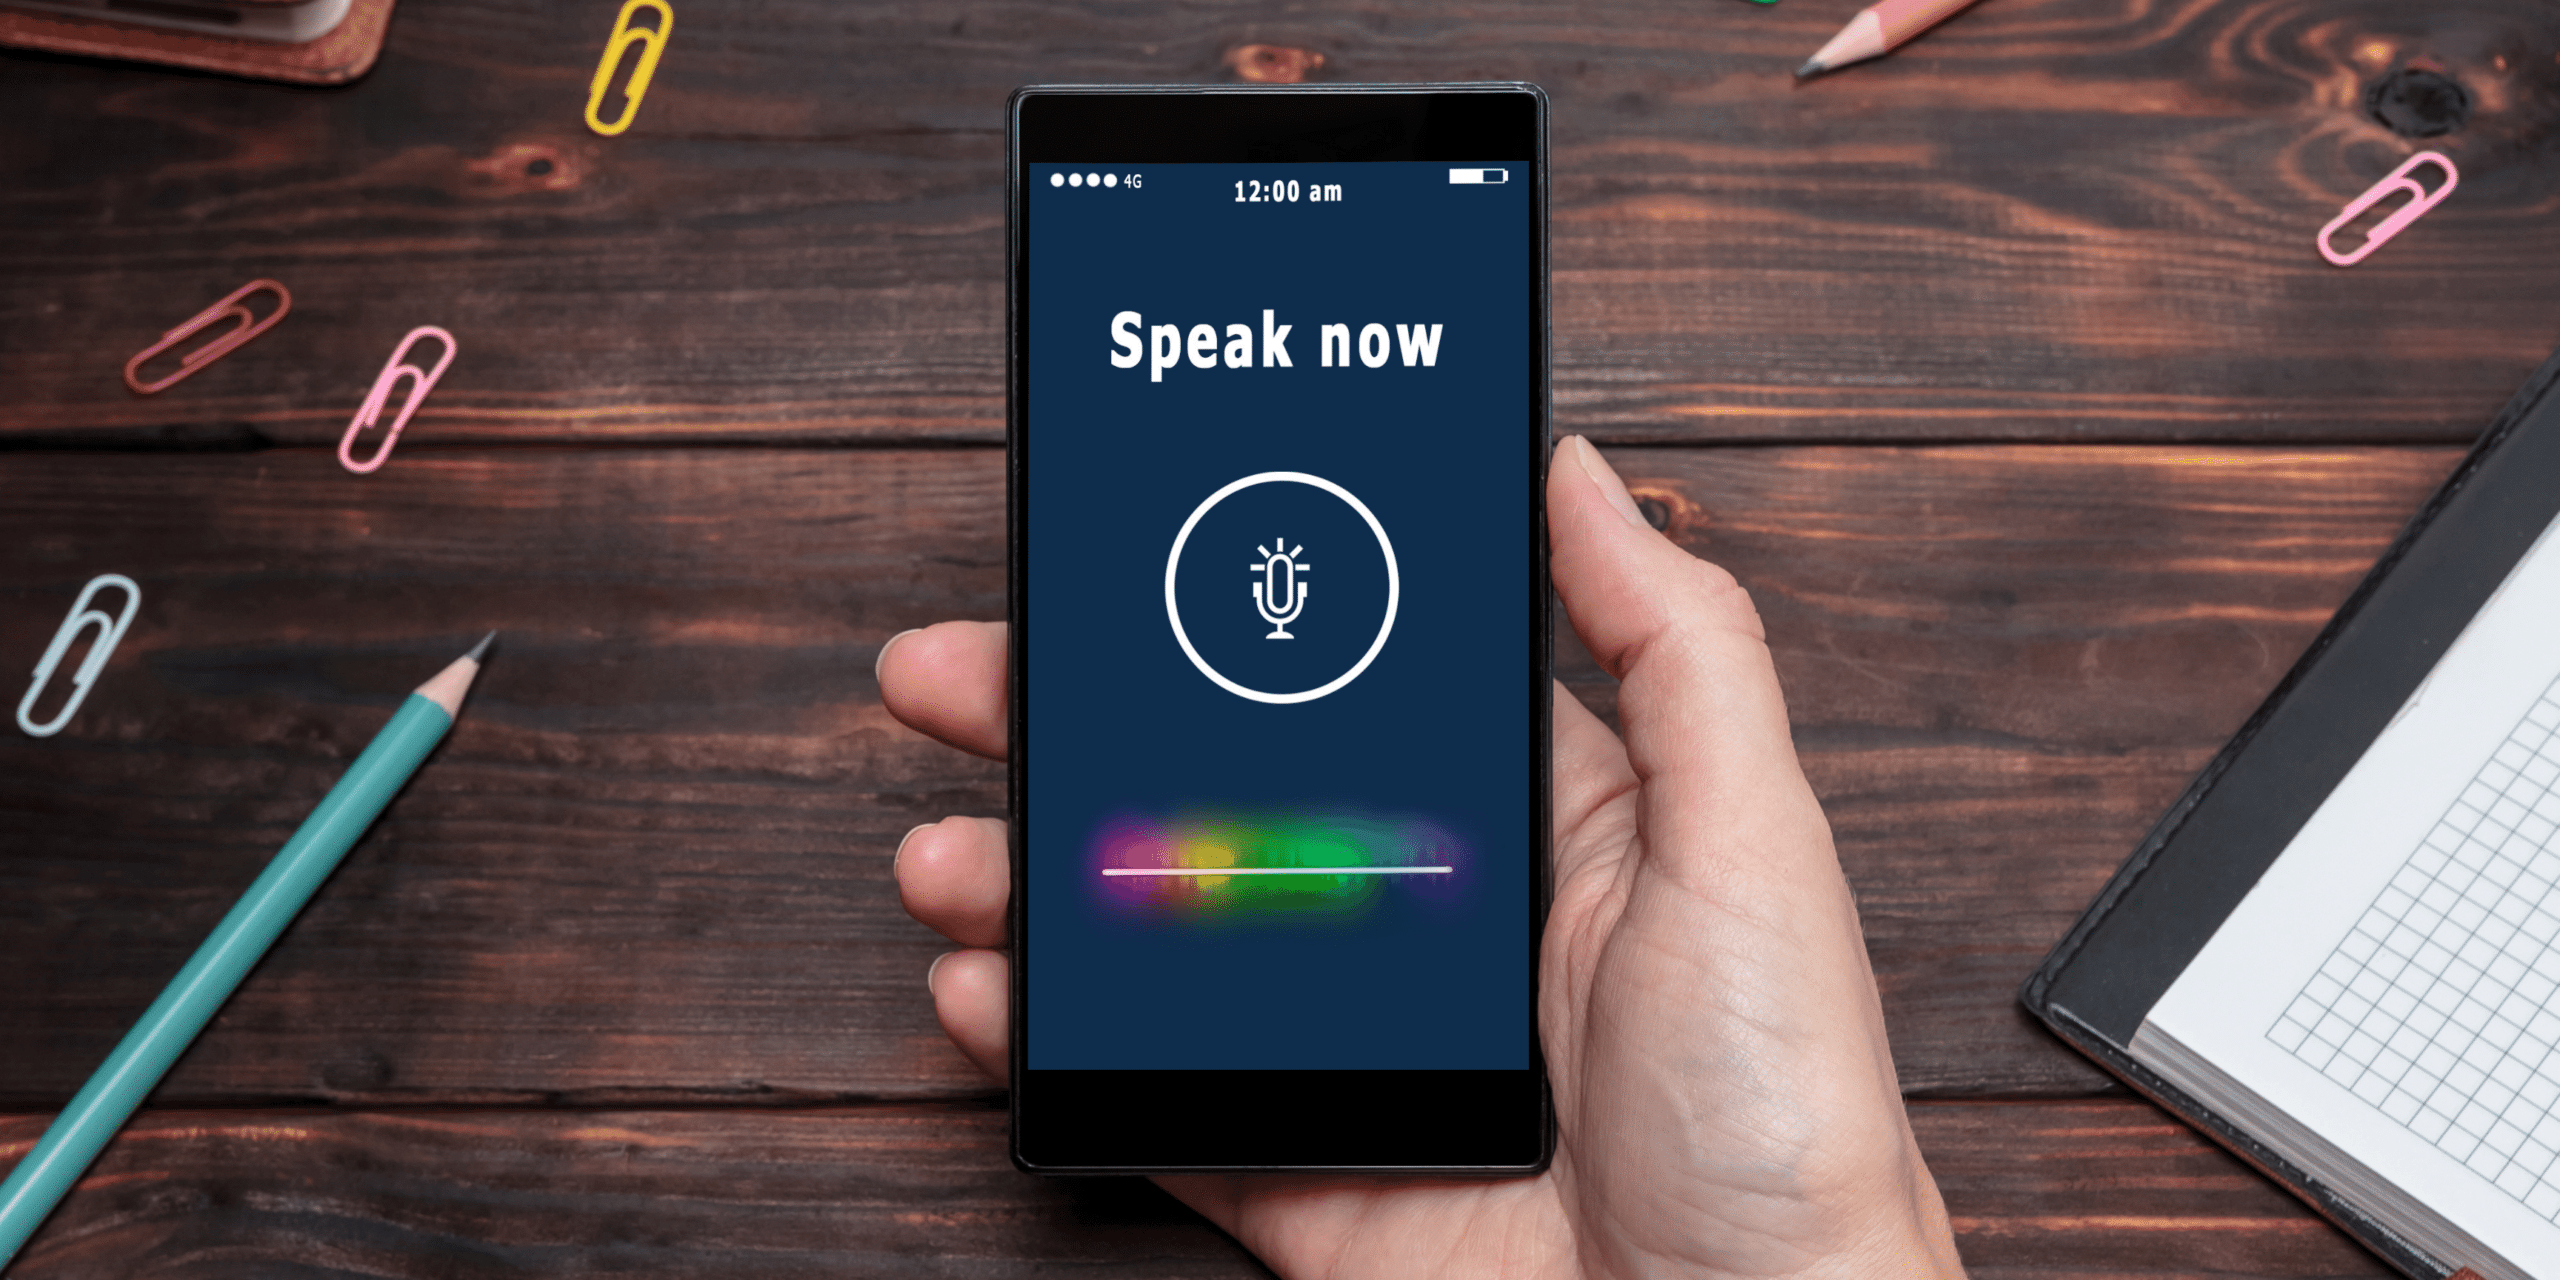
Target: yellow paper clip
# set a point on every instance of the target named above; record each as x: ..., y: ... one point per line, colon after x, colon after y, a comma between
x: 653, y: 42
x: 82, y: 617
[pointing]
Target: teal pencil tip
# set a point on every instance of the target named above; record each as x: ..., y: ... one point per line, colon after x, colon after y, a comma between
x: 481, y: 650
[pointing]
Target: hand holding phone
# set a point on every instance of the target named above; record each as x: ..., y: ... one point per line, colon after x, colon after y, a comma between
x: 1724, y: 1093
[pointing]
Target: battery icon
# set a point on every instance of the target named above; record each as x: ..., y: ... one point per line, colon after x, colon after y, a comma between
x: 1478, y: 177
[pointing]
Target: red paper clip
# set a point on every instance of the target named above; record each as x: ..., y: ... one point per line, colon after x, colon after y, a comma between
x: 392, y: 372
x: 229, y: 308
x: 2399, y: 182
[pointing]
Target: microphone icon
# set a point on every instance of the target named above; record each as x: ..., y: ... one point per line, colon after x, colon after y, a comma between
x: 1281, y: 595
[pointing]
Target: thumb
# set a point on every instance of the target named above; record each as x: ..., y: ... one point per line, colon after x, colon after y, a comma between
x: 1699, y: 705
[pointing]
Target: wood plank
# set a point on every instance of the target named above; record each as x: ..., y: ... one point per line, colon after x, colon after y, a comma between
x: 2054, y: 219
x: 2116, y: 1189
x: 651, y: 862
x: 2102, y: 1189
x: 2003, y: 664
x: 897, y: 1191
x: 651, y: 857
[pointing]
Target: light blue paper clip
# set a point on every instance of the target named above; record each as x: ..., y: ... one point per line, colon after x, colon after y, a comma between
x: 110, y: 630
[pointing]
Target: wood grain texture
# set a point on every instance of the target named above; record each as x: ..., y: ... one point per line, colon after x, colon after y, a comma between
x: 2047, y: 220
x: 621, y: 983
x: 2116, y: 1189
x: 651, y: 859
x: 651, y: 862
x: 2087, y: 1190
x: 2003, y: 664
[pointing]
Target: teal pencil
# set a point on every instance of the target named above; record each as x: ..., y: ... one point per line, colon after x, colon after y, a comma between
x: 109, y: 1099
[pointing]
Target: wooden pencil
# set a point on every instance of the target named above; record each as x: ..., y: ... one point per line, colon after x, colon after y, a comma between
x: 75, y: 1138
x: 1878, y: 28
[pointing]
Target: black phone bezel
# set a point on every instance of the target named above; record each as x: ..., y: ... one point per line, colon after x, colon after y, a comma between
x: 1132, y: 1122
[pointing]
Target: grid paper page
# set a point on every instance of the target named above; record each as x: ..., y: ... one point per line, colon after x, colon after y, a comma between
x: 2436, y: 1008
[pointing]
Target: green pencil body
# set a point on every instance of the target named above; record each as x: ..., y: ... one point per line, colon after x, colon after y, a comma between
x: 102, y: 1106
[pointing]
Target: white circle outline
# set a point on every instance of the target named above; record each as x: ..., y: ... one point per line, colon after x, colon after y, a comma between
x: 1173, y: 612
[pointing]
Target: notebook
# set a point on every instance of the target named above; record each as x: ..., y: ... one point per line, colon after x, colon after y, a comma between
x: 2339, y: 952
x: 281, y: 21
x: 301, y: 41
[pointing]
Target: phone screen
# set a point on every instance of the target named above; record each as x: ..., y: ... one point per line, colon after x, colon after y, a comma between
x: 1281, y: 668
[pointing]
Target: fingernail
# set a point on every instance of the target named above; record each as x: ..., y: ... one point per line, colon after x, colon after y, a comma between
x: 884, y: 650
x: 1611, y: 487
x: 936, y: 968
x: 902, y: 847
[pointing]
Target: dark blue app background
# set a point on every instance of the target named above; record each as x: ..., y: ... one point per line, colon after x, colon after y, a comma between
x: 1425, y: 421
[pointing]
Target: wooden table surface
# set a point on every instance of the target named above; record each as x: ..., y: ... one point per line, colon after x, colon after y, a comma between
x: 2002, y: 371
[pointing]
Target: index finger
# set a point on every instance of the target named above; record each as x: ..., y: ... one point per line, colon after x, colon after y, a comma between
x: 948, y: 681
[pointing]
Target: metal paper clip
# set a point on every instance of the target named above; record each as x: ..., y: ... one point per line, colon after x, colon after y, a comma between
x: 421, y: 382
x: 229, y: 308
x: 624, y: 35
x: 2398, y: 182
x: 110, y: 630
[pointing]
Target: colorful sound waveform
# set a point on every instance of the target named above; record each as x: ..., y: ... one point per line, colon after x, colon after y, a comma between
x: 1234, y: 864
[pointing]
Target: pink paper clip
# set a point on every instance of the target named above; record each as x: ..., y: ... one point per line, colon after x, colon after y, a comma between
x: 230, y: 308
x: 2399, y: 182
x: 421, y: 383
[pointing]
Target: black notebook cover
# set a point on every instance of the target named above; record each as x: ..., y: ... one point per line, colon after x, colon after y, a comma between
x: 2209, y: 850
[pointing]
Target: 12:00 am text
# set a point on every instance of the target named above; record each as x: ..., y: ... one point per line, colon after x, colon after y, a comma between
x: 1256, y: 191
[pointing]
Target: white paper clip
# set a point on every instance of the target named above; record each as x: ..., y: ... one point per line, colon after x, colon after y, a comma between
x: 110, y: 630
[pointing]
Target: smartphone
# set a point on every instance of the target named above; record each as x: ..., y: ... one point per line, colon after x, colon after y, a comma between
x: 1277, y: 427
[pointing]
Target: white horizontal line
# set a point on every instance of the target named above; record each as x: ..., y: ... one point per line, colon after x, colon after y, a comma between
x: 1276, y: 871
